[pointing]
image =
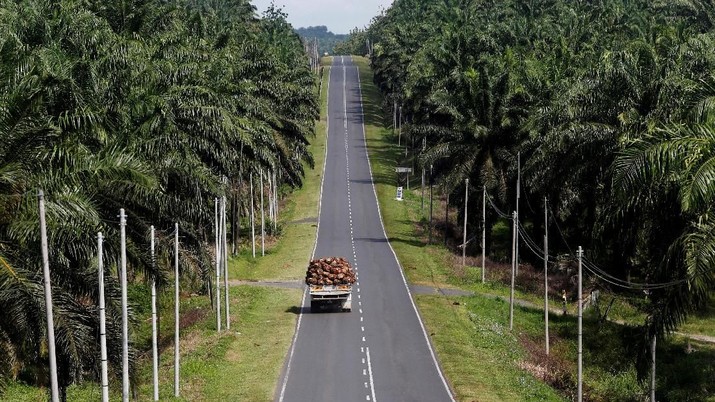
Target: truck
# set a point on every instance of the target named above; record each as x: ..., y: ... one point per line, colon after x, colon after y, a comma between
x: 330, y: 281
x: 326, y: 296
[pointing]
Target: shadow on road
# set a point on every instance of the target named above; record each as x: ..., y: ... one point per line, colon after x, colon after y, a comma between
x: 372, y: 239
x: 298, y: 310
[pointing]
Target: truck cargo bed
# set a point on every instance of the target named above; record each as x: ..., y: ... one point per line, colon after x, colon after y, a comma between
x: 324, y: 296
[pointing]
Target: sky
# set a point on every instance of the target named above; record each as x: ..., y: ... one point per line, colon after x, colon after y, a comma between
x: 340, y: 16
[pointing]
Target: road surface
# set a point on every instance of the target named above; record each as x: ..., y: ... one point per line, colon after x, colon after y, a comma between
x: 379, y: 351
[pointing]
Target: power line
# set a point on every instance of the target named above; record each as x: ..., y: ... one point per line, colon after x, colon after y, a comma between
x: 599, y: 272
x: 605, y: 276
x: 561, y: 233
x: 497, y: 210
x: 590, y: 266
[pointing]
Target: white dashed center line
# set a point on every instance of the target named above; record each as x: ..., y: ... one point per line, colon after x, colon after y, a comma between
x: 364, y: 350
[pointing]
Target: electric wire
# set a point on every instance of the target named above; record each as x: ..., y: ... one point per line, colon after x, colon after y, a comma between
x: 629, y: 285
x: 532, y: 243
x: 534, y: 250
x: 497, y: 210
x: 561, y: 233
x: 590, y: 266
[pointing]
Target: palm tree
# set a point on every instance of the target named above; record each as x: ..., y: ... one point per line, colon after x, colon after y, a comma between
x: 147, y: 113
x: 680, y: 160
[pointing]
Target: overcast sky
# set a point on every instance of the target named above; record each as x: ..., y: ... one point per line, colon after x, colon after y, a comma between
x: 340, y: 16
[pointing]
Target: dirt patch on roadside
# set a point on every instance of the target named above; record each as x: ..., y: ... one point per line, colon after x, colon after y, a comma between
x: 550, y: 369
x: 312, y: 219
x: 233, y: 355
x: 295, y: 284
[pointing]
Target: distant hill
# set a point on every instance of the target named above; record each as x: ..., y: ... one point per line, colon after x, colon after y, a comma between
x: 326, y: 39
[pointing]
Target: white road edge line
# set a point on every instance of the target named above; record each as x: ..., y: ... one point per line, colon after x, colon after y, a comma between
x: 292, y: 349
x: 317, y: 233
x: 369, y: 370
x: 404, y: 280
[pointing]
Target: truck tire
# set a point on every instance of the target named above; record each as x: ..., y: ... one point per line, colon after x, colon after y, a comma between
x: 314, y: 307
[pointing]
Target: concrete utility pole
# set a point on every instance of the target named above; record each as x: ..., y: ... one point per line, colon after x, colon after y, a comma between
x: 518, y: 195
x: 394, y: 119
x: 125, y: 322
x: 580, y: 327
x: 269, y: 184
x: 430, y: 205
x: 154, y: 328
x: 464, y: 234
x: 102, y: 320
x: 217, y: 244
x: 235, y: 222
x: 422, y: 201
x: 176, y: 309
x: 484, y: 232
x: 446, y: 212
x: 275, y: 201
x: 399, y: 129
x: 513, y: 271
x: 48, y: 299
x: 546, y: 276
x: 253, y: 221
x: 225, y: 268
x: 652, y: 370
x: 422, y: 188
x: 263, y: 219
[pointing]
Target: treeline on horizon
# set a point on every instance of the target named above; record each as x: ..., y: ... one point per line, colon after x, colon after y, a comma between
x: 152, y: 106
x: 611, y: 105
x: 326, y: 39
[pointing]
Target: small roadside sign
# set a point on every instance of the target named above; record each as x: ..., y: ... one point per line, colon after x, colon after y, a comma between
x: 403, y: 170
x: 399, y: 194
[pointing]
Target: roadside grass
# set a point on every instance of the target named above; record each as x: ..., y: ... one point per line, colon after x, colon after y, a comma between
x: 482, y: 359
x: 688, y: 370
x: 478, y: 352
x: 17, y: 391
x: 703, y: 321
x: 241, y: 364
x: 326, y: 61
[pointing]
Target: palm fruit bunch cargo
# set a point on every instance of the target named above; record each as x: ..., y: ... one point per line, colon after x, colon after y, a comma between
x: 330, y: 271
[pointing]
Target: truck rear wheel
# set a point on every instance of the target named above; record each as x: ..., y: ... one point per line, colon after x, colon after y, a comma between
x: 314, y: 307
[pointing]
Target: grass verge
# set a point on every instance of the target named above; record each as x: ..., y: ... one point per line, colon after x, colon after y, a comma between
x: 242, y: 364
x: 703, y: 321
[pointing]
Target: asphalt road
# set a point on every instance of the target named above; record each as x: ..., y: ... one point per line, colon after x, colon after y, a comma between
x: 379, y: 351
